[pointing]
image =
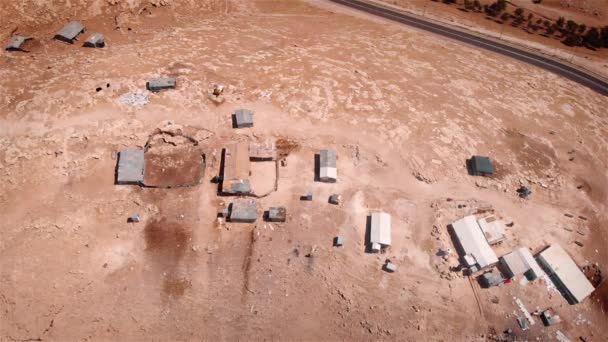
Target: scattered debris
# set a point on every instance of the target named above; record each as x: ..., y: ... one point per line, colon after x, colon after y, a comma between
x: 335, y: 199
x: 218, y: 89
x: 277, y: 214
x: 262, y: 151
x: 524, y: 191
x: 137, y: 98
x: 242, y: 118
x: 70, y: 32
x: 16, y: 42
x: 338, y: 241
x: 96, y: 40
x: 548, y: 318
x: 561, y: 337
x: 525, y: 311
x: 133, y: 218
x: 161, y: 83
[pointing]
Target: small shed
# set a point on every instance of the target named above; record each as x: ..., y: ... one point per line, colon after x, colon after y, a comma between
x: 339, y: 241
x: 130, y: 166
x: 243, y: 211
x: 481, y: 166
x: 489, y: 279
x: 380, y: 231
x: 492, y: 228
x: 16, y: 42
x: 242, y: 118
x: 328, y: 171
x: 565, y: 274
x: 263, y: 151
x: 96, y: 40
x: 277, y: 214
x: 70, y: 31
x: 161, y: 83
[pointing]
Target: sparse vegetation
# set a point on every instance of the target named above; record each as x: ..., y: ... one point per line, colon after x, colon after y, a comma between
x: 568, y: 31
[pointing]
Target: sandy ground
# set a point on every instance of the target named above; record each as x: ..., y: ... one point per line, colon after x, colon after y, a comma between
x: 403, y: 108
x: 590, y: 12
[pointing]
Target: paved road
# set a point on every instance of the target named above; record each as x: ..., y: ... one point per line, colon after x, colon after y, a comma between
x: 557, y: 66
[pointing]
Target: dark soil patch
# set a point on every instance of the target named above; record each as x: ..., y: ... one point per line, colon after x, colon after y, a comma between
x: 179, y: 166
x: 167, y: 241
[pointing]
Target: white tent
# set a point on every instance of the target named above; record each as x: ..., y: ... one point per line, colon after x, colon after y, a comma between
x: 380, y: 230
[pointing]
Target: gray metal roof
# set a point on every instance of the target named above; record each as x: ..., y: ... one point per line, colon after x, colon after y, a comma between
x: 70, y: 31
x: 160, y: 83
x: 482, y: 165
x: 16, y: 42
x: 130, y: 166
x: 243, y: 210
x: 277, y: 214
x: 514, y: 263
x: 327, y: 158
x: 243, y: 118
x: 95, y: 40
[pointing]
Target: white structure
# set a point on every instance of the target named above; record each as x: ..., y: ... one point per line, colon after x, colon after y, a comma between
x: 380, y: 231
x: 492, y: 229
x: 521, y: 261
x: 565, y: 274
x: 328, y: 171
x: 476, y: 249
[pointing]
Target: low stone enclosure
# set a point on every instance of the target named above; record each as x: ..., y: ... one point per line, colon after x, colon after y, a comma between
x: 172, y: 157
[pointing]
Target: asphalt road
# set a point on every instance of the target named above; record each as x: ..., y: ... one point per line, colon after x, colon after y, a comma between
x: 554, y: 65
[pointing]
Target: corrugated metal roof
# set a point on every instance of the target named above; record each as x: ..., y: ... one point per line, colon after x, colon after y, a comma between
x: 70, y: 31
x: 534, y: 270
x: 130, y: 166
x: 327, y: 158
x: 16, y: 42
x: 560, y: 265
x: 236, y: 168
x: 473, y: 241
x: 380, y: 230
x: 243, y: 210
x: 514, y: 262
x: 492, y: 229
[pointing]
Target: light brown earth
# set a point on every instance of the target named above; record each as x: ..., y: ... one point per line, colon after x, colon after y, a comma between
x: 403, y: 108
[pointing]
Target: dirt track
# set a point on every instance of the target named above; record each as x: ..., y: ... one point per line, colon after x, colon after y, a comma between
x: 404, y: 109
